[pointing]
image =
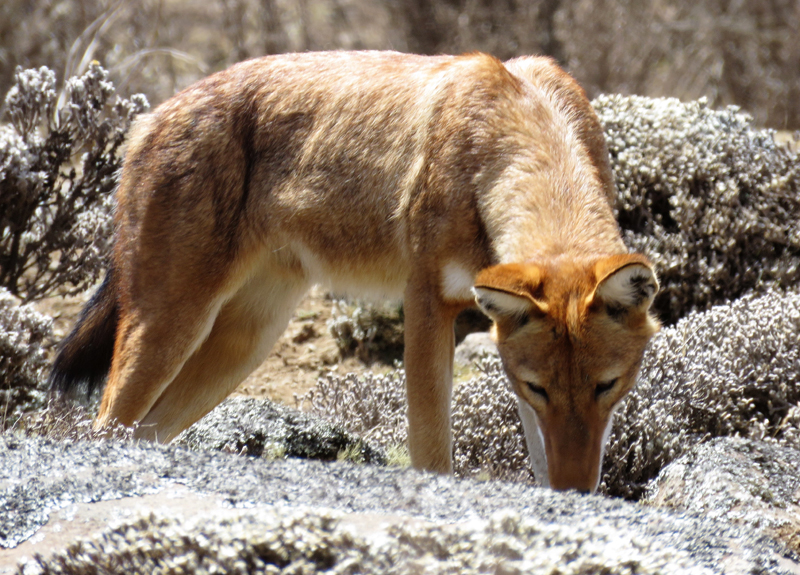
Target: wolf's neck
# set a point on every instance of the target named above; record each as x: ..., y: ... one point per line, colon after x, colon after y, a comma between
x: 556, y: 209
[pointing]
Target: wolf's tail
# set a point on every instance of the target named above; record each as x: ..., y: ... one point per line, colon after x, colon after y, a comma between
x: 84, y: 357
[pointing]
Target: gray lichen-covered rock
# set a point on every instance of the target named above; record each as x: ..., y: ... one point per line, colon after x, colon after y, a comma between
x: 733, y: 479
x: 711, y: 199
x: 456, y: 526
x: 319, y: 542
x: 261, y: 428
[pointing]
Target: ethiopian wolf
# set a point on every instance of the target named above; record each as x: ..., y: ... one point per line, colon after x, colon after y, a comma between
x: 447, y: 180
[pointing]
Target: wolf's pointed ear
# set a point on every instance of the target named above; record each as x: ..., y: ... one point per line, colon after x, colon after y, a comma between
x: 508, y: 292
x: 625, y: 284
x: 500, y: 305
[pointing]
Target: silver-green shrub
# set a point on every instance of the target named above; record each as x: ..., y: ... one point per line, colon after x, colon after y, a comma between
x: 24, y: 333
x: 371, y: 406
x: 488, y: 440
x: 60, y: 152
x: 712, y: 200
x: 487, y: 433
x: 733, y: 370
x: 368, y: 330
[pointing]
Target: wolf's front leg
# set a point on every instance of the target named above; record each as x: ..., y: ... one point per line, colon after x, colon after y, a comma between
x: 429, y: 348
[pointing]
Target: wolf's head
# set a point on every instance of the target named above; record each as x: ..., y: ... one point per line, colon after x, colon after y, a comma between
x: 571, y: 335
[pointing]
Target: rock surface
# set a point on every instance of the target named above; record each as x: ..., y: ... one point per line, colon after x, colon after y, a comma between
x: 475, y: 346
x: 261, y: 428
x: 390, y: 520
x: 749, y: 482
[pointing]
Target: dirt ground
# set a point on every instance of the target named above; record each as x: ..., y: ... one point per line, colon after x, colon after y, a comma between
x: 305, y: 350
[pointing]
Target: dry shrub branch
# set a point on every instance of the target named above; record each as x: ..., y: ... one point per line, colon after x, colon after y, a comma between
x: 60, y: 151
x: 59, y: 157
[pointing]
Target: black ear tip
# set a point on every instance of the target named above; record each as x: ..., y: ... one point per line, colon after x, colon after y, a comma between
x: 643, y: 285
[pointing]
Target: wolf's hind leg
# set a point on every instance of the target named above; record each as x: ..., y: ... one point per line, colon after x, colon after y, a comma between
x: 154, y: 338
x: 243, y: 334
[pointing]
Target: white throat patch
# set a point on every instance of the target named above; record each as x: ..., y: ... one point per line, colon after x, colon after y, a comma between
x: 457, y: 282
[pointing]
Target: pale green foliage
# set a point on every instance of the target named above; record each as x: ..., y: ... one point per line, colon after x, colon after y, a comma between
x: 713, y: 201
x: 23, y: 358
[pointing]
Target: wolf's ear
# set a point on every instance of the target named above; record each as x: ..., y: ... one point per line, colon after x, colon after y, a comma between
x: 625, y: 284
x: 508, y: 292
x: 500, y: 305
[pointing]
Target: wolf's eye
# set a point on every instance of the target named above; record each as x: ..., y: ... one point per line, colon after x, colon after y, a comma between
x: 538, y: 390
x: 604, y: 387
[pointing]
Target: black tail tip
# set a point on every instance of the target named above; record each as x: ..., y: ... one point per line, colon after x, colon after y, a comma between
x: 84, y: 357
x: 77, y: 377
